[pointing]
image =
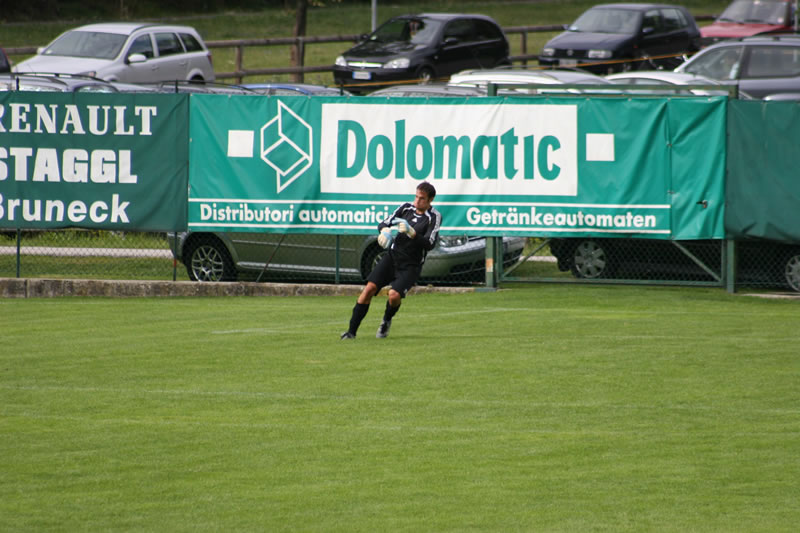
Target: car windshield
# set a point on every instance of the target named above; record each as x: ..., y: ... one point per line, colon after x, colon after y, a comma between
x: 415, y: 31
x: 607, y: 21
x: 94, y: 44
x: 763, y: 11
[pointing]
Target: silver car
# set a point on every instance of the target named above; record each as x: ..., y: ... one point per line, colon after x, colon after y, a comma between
x: 127, y: 52
x: 230, y: 256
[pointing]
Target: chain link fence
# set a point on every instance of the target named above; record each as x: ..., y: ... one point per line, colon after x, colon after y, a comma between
x: 755, y: 264
x: 458, y: 260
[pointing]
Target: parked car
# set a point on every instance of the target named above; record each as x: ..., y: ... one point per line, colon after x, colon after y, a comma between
x: 128, y: 52
x: 745, y: 18
x: 423, y: 47
x: 673, y: 79
x: 229, y: 256
x: 5, y: 63
x: 761, y: 261
x: 760, y: 65
x: 294, y: 89
x: 509, y: 78
x: 426, y: 90
x: 615, y: 37
x: 55, y: 83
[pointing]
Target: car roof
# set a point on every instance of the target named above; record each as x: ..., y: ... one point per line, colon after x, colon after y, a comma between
x: 126, y: 28
x: 681, y: 78
x: 446, y: 16
x: 429, y: 89
x: 48, y: 81
x: 634, y: 7
x: 510, y: 75
x: 305, y: 88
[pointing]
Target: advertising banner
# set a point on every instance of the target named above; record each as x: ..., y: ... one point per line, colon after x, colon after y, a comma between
x: 501, y: 166
x: 90, y: 160
x: 763, y: 190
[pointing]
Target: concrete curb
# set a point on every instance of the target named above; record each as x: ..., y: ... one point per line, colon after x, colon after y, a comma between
x: 54, y: 288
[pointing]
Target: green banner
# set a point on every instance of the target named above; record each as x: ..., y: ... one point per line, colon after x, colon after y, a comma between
x: 105, y: 161
x: 501, y: 166
x: 763, y: 189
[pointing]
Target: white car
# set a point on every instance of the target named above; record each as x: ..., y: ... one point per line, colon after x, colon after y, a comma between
x: 667, y: 77
x: 508, y: 78
x: 127, y: 52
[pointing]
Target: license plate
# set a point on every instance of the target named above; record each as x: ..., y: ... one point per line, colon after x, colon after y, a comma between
x: 567, y: 62
x: 362, y: 75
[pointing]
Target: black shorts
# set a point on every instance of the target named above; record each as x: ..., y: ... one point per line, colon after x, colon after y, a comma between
x: 400, y: 279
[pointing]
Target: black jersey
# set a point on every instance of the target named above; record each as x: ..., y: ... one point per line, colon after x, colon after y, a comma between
x: 411, y: 252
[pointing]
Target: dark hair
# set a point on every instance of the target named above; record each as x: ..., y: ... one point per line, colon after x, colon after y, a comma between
x: 428, y: 189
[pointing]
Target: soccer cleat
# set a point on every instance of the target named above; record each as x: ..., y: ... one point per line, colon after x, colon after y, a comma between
x: 347, y: 335
x: 383, y: 329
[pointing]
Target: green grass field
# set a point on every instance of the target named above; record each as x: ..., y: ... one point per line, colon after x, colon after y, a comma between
x: 537, y: 408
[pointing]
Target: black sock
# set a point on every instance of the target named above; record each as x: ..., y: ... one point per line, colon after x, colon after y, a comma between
x: 389, y: 312
x: 359, y: 312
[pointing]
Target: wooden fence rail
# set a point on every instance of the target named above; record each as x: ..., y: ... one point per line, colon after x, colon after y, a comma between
x: 239, y: 45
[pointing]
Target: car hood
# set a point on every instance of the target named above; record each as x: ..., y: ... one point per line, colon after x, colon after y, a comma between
x: 378, y: 50
x: 579, y: 40
x: 62, y: 64
x: 736, y: 29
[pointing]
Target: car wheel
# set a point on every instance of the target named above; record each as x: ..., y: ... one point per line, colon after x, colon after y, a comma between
x: 590, y: 260
x: 791, y: 270
x: 371, y: 257
x: 426, y: 75
x: 209, y: 260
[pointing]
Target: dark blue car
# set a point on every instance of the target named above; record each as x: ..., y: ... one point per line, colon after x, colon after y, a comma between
x: 618, y: 37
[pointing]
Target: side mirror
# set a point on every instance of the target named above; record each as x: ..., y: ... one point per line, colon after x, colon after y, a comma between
x: 40, y: 50
x: 450, y: 41
x: 136, y: 58
x: 648, y: 30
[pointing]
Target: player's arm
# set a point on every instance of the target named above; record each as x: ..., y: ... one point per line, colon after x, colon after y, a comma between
x: 388, y: 221
x: 431, y: 236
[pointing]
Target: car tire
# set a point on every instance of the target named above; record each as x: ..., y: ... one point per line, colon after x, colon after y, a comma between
x: 426, y: 75
x: 791, y: 270
x: 207, y: 259
x: 371, y: 256
x: 590, y: 259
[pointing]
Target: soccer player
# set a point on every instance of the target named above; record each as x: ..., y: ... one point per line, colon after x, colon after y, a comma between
x: 418, y: 231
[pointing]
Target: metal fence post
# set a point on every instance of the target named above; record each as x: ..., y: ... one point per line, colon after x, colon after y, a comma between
x: 337, y: 260
x: 491, y: 263
x: 19, y: 238
x: 730, y: 265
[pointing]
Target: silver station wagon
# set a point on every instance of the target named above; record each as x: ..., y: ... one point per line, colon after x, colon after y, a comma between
x: 126, y: 52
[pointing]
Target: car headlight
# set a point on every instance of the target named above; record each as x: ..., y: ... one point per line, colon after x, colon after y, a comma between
x: 453, y: 241
x: 548, y: 52
x: 340, y: 62
x: 599, y: 54
x: 401, y: 62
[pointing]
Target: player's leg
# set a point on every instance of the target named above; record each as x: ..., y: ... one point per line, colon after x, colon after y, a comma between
x: 378, y: 278
x: 403, y: 282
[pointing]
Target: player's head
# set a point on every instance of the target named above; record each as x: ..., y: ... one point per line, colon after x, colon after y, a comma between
x: 428, y: 189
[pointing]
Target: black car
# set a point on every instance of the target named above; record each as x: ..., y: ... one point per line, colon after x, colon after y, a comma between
x: 421, y: 47
x: 616, y: 37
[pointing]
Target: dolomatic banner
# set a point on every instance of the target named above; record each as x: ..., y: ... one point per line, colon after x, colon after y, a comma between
x: 90, y: 160
x: 501, y: 166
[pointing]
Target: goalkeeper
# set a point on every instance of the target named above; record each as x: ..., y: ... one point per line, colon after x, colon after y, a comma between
x: 418, y: 231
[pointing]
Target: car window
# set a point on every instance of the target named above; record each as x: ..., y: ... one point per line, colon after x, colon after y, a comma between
x: 168, y: 44
x: 416, y: 31
x: 485, y: 30
x: 142, y: 45
x: 607, y: 21
x: 94, y: 44
x: 773, y: 61
x: 651, y: 20
x: 672, y: 20
x: 190, y: 43
x: 763, y: 11
x: 719, y: 64
x: 462, y: 29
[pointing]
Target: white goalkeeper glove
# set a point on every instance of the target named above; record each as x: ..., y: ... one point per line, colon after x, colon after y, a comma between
x: 408, y: 229
x: 385, y: 238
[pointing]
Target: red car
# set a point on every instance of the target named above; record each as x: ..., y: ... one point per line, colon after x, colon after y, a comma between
x: 744, y: 18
